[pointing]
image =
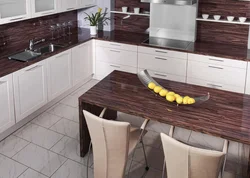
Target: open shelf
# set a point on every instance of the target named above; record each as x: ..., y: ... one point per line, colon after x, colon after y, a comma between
x: 224, y: 21
x: 130, y: 13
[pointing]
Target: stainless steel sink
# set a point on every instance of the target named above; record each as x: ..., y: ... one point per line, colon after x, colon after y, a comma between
x: 48, y: 49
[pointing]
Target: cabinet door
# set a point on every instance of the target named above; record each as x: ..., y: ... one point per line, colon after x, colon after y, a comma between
x: 248, y: 80
x: 59, y: 74
x: 82, y: 62
x: 43, y: 7
x: 88, y: 3
x: 68, y: 5
x: 7, y: 118
x: 14, y: 10
x: 30, y: 89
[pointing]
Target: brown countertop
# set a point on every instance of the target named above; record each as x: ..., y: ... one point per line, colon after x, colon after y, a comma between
x: 82, y: 35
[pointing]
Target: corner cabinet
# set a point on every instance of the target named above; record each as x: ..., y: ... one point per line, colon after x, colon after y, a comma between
x: 59, y: 74
x: 7, y: 118
x: 14, y: 10
x: 30, y: 89
x: 69, y: 5
x: 43, y: 7
x: 82, y: 63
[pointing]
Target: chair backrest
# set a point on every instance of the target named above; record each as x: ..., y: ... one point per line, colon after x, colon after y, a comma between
x: 110, y: 140
x: 184, y: 161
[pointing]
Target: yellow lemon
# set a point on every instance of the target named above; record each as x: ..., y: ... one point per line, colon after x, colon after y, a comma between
x: 171, y: 93
x: 163, y: 93
x: 170, y: 98
x: 176, y: 95
x: 185, y: 100
x: 179, y: 100
x: 157, y: 89
x: 151, y: 85
x: 191, y: 101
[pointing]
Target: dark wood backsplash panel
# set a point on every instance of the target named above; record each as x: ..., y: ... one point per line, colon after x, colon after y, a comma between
x: 222, y: 32
x: 135, y: 23
x: 16, y: 35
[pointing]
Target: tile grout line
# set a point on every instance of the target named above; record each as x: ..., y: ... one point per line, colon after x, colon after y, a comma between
x: 23, y: 172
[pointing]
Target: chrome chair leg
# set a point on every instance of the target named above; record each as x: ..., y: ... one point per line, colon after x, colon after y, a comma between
x: 133, y: 154
x: 144, y: 152
x: 90, y: 145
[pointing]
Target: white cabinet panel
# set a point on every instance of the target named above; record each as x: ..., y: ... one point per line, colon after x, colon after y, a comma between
x: 30, y: 89
x: 116, y: 56
x: 59, y: 74
x: 103, y: 69
x: 217, y: 73
x: 88, y: 3
x: 7, y: 118
x: 43, y: 7
x: 248, y: 80
x: 115, y: 45
x: 162, y: 64
x: 82, y: 62
x: 69, y: 5
x: 14, y: 10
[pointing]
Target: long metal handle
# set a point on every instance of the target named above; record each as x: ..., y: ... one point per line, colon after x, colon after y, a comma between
x: 213, y: 85
x: 115, y: 66
x: 115, y: 51
x: 19, y: 18
x: 215, y: 67
x: 218, y: 60
x: 158, y: 51
x: 112, y: 44
x: 33, y: 68
x: 47, y: 13
x: 161, y: 58
x: 72, y: 8
x: 161, y: 75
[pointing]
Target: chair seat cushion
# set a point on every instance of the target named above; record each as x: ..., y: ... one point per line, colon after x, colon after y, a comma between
x: 134, y: 138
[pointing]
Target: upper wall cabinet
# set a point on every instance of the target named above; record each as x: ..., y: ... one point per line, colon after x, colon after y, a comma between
x: 87, y: 3
x: 69, y: 5
x: 43, y: 7
x: 14, y: 10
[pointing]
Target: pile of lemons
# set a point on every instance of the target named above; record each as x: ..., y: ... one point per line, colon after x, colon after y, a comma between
x: 170, y: 96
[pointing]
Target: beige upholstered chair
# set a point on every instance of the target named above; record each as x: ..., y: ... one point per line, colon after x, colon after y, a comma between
x: 112, y: 142
x: 184, y: 161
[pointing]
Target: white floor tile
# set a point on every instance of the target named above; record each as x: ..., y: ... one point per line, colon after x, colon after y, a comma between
x: 84, y: 88
x: 29, y: 173
x: 10, y: 168
x: 65, y: 111
x: 71, y: 169
x: 133, y: 120
x: 152, y: 139
x: 158, y: 127
x: 46, y: 120
x: 182, y: 134
x: 38, y: 135
x: 11, y: 145
x: 70, y: 148
x: 67, y: 127
x: 71, y: 101
x: 40, y: 159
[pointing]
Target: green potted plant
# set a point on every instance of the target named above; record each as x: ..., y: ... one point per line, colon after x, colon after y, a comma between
x: 96, y: 19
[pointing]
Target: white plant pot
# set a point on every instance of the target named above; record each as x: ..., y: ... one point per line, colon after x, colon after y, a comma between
x: 93, y: 30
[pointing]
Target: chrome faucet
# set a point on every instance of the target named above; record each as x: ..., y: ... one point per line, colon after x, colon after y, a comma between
x: 33, y: 43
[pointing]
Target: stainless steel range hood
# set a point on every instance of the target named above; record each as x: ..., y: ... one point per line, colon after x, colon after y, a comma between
x: 174, y: 2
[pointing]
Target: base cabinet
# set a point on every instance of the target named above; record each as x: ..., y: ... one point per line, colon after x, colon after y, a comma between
x: 7, y: 118
x: 82, y: 63
x: 30, y: 89
x: 59, y: 74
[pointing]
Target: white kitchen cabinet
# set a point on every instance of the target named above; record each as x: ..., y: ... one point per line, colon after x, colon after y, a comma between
x: 59, y: 74
x: 7, y: 118
x: 87, y: 3
x: 30, y: 89
x: 69, y: 5
x: 43, y: 7
x: 248, y: 80
x: 82, y: 62
x: 14, y: 10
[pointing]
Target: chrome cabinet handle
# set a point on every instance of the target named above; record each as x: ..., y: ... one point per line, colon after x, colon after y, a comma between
x: 158, y: 51
x: 33, y: 68
x: 161, y: 58
x: 161, y: 75
x: 71, y: 8
x: 215, y: 67
x: 47, y: 13
x: 213, y: 85
x: 20, y: 18
x: 3, y: 82
x: 115, y: 66
x: 218, y: 60
x: 112, y: 44
x: 115, y: 51
x: 65, y: 54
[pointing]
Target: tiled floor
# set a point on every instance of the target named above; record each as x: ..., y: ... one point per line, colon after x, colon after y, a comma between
x: 48, y: 146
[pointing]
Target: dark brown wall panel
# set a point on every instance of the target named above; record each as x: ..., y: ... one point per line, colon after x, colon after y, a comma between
x: 17, y: 35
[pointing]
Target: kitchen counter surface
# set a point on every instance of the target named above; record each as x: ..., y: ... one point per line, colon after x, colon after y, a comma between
x: 82, y: 35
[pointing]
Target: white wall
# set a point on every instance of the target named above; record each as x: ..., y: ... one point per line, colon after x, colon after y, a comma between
x: 100, y: 3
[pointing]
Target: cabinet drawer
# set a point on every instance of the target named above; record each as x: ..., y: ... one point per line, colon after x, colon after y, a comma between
x: 162, y: 64
x: 116, y: 56
x: 165, y: 76
x: 162, y: 52
x: 217, y: 73
x: 218, y: 61
x: 103, y: 69
x: 215, y: 85
x: 115, y: 45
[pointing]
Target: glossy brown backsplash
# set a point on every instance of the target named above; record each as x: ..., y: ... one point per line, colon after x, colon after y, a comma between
x: 135, y: 23
x: 15, y: 36
x: 221, y: 32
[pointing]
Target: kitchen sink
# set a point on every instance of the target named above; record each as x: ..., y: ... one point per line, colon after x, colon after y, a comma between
x: 48, y: 49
